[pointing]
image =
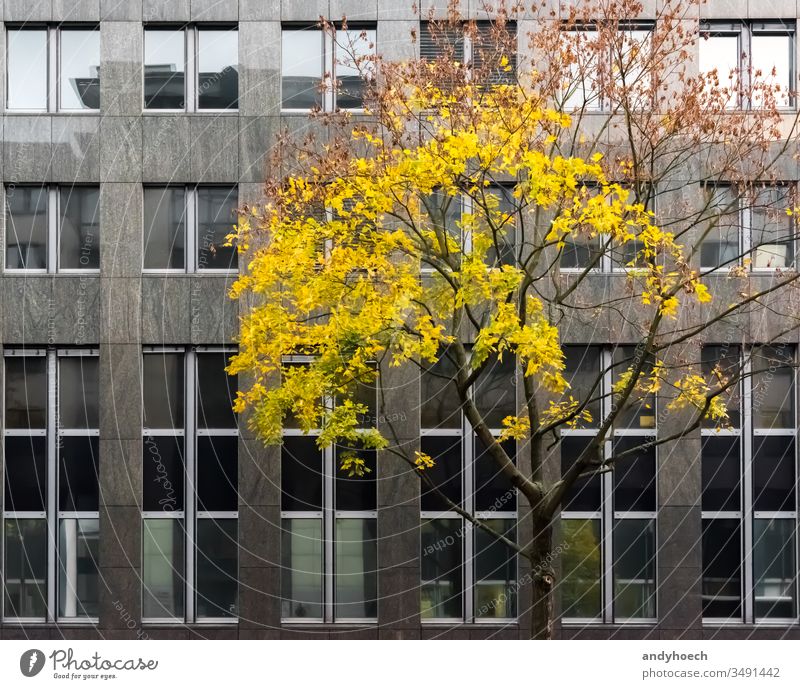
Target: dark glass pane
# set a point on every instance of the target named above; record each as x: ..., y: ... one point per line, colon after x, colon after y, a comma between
x: 78, y: 392
x: 495, y: 572
x: 26, y: 227
x: 445, y: 474
x: 27, y: 69
x: 495, y: 391
x: 582, y: 371
x: 78, y: 458
x: 216, y: 216
x: 773, y: 387
x: 163, y: 390
x: 720, y: 244
x: 634, y: 568
x: 163, y: 578
x: 218, y: 65
x: 25, y: 568
x: 79, y: 245
x: 164, y: 59
x: 721, y: 366
x: 775, y: 568
x: 634, y: 477
x: 774, y: 473
x: 301, y: 570
x: 217, y: 568
x: 80, y: 69
x: 217, y: 473
x: 771, y: 232
x: 26, y: 392
x: 216, y: 391
x: 352, y: 47
x: 367, y: 394
x: 722, y: 569
x: 441, y: 568
x: 356, y: 568
x: 301, y: 69
x: 163, y: 474
x: 78, y: 567
x: 503, y: 236
x: 164, y: 228
x: 639, y: 410
x: 584, y: 496
x: 301, y: 474
x: 25, y: 474
x: 581, y: 564
x: 493, y: 490
x: 356, y: 492
x: 722, y: 473
x: 580, y: 253
x: 440, y: 407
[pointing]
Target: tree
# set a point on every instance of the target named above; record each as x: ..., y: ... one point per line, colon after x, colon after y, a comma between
x: 587, y: 144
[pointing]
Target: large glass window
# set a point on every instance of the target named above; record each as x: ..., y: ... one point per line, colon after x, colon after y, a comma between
x: 51, y: 485
x: 54, y: 68
x: 189, y: 486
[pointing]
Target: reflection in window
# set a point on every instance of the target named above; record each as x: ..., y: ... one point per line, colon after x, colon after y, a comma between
x: 218, y: 69
x: 634, y: 569
x: 78, y: 564
x: 79, y: 239
x: 353, y: 47
x: 164, y: 58
x: 162, y: 569
x: 26, y: 228
x: 581, y: 562
x: 356, y: 569
x: 301, y: 588
x: 771, y: 228
x: 80, y: 69
x: 720, y: 244
x: 495, y: 572
x: 441, y: 566
x: 216, y: 216
x: 775, y: 568
x: 164, y: 227
x: 217, y: 568
x: 27, y: 69
x: 719, y: 64
x: 301, y: 69
x: 25, y: 568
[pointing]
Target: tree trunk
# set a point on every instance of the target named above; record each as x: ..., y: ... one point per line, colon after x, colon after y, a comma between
x: 542, y: 580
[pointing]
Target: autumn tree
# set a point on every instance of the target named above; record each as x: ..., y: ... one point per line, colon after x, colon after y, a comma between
x: 578, y: 178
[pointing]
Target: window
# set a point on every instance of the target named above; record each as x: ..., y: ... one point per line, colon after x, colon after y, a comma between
x: 744, y: 56
x: 329, y: 546
x: 752, y: 224
x: 51, y: 505
x: 52, y: 228
x: 53, y: 69
x: 208, y: 54
x: 467, y: 573
x: 309, y: 55
x: 749, y: 475
x: 584, y: 250
x: 189, y: 486
x: 609, y: 519
x: 185, y: 228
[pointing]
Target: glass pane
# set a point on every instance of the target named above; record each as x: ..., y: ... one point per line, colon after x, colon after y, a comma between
x: 722, y: 473
x: 217, y: 568
x: 80, y: 69
x: 78, y: 481
x: 26, y: 392
x: 721, y: 54
x: 495, y: 572
x: 774, y: 473
x: 445, y: 474
x: 582, y: 371
x: 582, y: 89
x: 720, y: 243
x: 773, y: 387
x: 163, y: 390
x: 216, y: 216
x: 495, y: 391
x: 440, y: 406
x: 79, y: 245
x: 301, y: 474
x: 441, y: 563
x: 493, y: 491
x: 580, y: 252
x: 164, y: 69
x: 165, y: 228
x: 25, y: 573
x: 218, y: 64
x: 773, y: 52
x: 25, y: 474
x: 301, y: 68
x: 301, y: 581
x: 639, y: 410
x: 634, y: 476
x: 78, y: 564
x: 722, y: 368
x: 163, y: 474
x: 503, y: 235
x: 774, y: 568
x: 78, y: 392
x: 27, y: 69
x: 163, y: 577
x: 216, y: 391
x: 217, y: 473
x: 634, y: 569
x: 772, y: 229
x: 352, y: 47
x: 356, y: 569
x: 581, y: 563
x: 26, y: 228
x: 722, y: 569
x: 356, y: 492
x: 584, y: 496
